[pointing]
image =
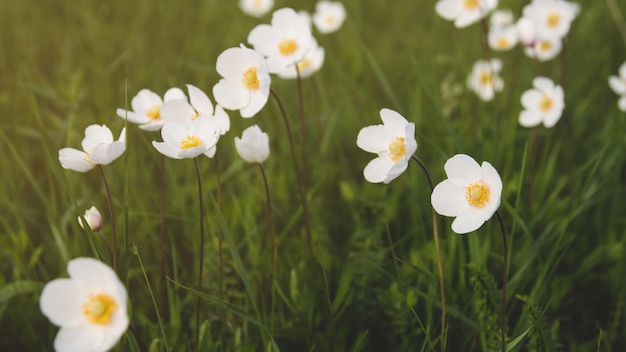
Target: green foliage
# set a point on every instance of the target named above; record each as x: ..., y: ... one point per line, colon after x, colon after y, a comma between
x: 540, y: 335
x: 487, y: 307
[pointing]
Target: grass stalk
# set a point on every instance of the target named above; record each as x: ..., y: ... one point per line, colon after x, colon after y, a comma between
x: 201, y: 255
x: 111, y: 213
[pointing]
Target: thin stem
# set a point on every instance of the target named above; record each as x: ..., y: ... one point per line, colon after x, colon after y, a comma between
x: 505, y: 270
x: 438, y: 254
x: 272, y: 243
x: 305, y: 208
x: 162, y: 236
x: 112, y: 214
x: 107, y: 244
x: 220, y: 235
x: 302, y: 128
x: 201, y: 260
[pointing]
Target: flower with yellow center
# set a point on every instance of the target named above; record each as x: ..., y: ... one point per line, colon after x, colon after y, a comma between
x: 544, y: 49
x: 393, y: 142
x: 544, y: 103
x: 464, y: 12
x: 329, y: 16
x: 183, y: 142
x: 256, y: 8
x: 250, y: 79
x: 471, y: 193
x: 485, y: 79
x: 287, y: 46
x: 552, y: 18
x: 89, y: 306
x: 99, y: 148
x: 503, y: 38
x: 311, y: 63
x: 146, y: 108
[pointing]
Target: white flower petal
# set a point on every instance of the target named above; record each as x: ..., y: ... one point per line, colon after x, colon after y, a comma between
x: 104, y: 154
x: 544, y: 84
x: 530, y: 118
x: 257, y: 101
x: 166, y: 149
x: 376, y: 170
x: 462, y: 170
x: 394, y: 122
x: 618, y: 85
x: 199, y: 100
x: 448, y: 199
x: 75, y: 160
x: 177, y: 111
x: 174, y: 94
x: 96, y: 134
x: 97, y: 275
x: 79, y: 338
x: 231, y: 95
x: 373, y: 139
x: 396, y: 170
x: 531, y: 99
x: 470, y: 220
x: 621, y: 103
x: 61, y: 302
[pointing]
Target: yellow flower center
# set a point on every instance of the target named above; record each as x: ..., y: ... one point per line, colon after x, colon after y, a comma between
x: 485, y: 78
x: 544, y: 46
x: 257, y: 4
x: 477, y: 194
x: 397, y: 149
x: 250, y: 79
x: 502, y: 43
x: 553, y: 20
x: 99, y: 308
x: 190, y: 142
x: 303, y: 65
x: 545, y: 104
x: 287, y: 46
x: 470, y: 4
x: 154, y: 112
x: 330, y: 19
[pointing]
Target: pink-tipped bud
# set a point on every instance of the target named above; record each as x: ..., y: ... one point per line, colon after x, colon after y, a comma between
x: 93, y: 218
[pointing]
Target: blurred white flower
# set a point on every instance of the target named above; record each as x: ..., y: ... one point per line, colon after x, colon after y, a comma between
x: 464, y: 12
x: 147, y: 108
x: 618, y: 84
x: 246, y: 83
x: 501, y: 18
x: 285, y: 41
x: 256, y: 8
x: 93, y: 218
x: 99, y: 148
x: 254, y: 145
x: 311, y: 63
x: 503, y: 38
x: 485, y: 79
x: 544, y: 49
x: 329, y: 16
x: 543, y: 103
x: 183, y: 142
x: 393, y: 141
x: 89, y: 306
x: 552, y: 18
x: 471, y: 193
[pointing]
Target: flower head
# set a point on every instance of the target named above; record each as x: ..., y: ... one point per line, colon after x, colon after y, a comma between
x: 544, y: 48
x: 256, y: 8
x: 471, y: 193
x: 99, y: 148
x: 618, y: 84
x: 182, y: 142
x: 552, y: 18
x: 147, y: 108
x: 329, y: 16
x: 311, y: 63
x: 254, y: 145
x: 245, y: 85
x: 503, y: 38
x: 393, y: 141
x: 93, y: 218
x: 485, y: 79
x: 89, y: 306
x: 285, y: 41
x: 501, y: 18
x: 464, y: 12
x: 543, y: 103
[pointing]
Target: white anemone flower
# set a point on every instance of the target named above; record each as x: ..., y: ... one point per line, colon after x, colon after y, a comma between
x: 471, y: 193
x: 311, y: 63
x: 393, y: 141
x: 464, y: 12
x: 285, y: 41
x: 544, y: 49
x: 485, y: 79
x: 329, y: 16
x: 503, y: 38
x: 501, y: 18
x: 147, y: 108
x: 93, y: 218
x: 526, y: 31
x: 551, y: 17
x: 184, y: 142
x: 246, y: 83
x: 543, y: 103
x: 99, y: 148
x: 254, y: 145
x: 89, y: 306
x: 256, y: 8
x: 618, y: 84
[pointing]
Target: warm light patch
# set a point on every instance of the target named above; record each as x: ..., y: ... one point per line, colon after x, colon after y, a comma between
x: 477, y: 194
x: 397, y: 149
x: 553, y: 20
x: 303, y: 65
x: 545, y: 104
x: 470, y: 4
x: 154, y: 112
x: 99, y: 308
x: 250, y: 79
x: 330, y: 19
x: 190, y: 142
x: 485, y: 78
x: 545, y: 46
x: 502, y: 43
x: 287, y: 46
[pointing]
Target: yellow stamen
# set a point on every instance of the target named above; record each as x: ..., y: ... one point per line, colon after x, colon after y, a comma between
x: 250, y: 79
x: 477, y: 194
x: 287, y: 46
x: 303, y: 65
x: 502, y: 43
x: 546, y: 103
x: 190, y: 142
x: 99, y: 308
x: 397, y: 149
x: 330, y: 19
x: 485, y: 78
x: 545, y: 46
x: 470, y: 4
x: 553, y: 20
x: 154, y: 112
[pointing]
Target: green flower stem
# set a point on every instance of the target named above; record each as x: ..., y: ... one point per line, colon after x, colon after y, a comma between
x: 107, y: 244
x: 272, y: 244
x: 201, y: 259
x: 302, y: 128
x: 111, y: 213
x: 220, y: 235
x: 161, y: 282
x: 438, y: 254
x: 505, y: 270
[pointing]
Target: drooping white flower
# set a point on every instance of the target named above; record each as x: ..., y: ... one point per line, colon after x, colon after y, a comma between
x: 245, y: 85
x: 147, y: 108
x: 393, y: 142
x: 543, y: 103
x: 285, y: 41
x: 544, y: 49
x: 552, y: 18
x: 89, y: 306
x: 503, y: 38
x: 311, y: 63
x: 471, y: 193
x: 99, y: 148
x: 329, y: 16
x: 618, y: 84
x: 93, y: 218
x: 183, y: 142
x: 254, y: 145
x: 256, y: 8
x: 464, y: 12
x: 485, y: 79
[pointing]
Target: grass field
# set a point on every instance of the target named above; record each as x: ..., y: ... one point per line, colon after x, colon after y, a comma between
x: 367, y: 280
